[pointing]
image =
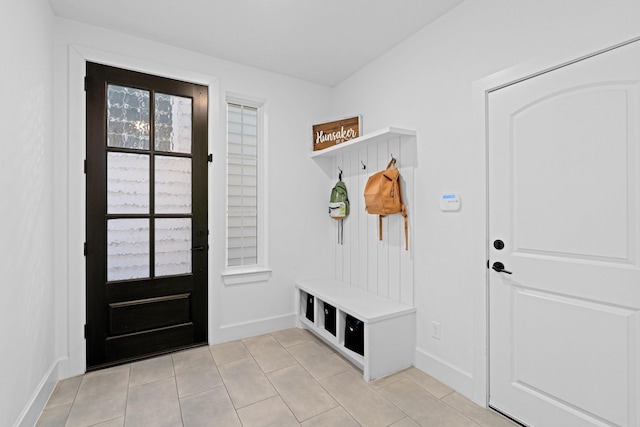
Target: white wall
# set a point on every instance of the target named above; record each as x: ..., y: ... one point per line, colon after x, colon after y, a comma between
x: 291, y: 106
x: 426, y: 84
x: 26, y: 238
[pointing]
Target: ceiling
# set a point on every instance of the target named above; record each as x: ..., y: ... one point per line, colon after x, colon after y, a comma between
x: 321, y: 41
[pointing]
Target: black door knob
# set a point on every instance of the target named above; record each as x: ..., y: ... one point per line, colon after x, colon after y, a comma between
x: 498, y: 244
x: 499, y: 267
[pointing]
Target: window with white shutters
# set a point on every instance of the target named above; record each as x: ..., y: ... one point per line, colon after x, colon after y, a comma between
x: 242, y: 185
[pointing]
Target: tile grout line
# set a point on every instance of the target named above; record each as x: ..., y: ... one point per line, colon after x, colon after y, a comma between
x: 391, y: 403
x: 175, y: 381
x: 126, y: 398
x: 267, y: 378
x: 321, y: 386
x: 73, y: 402
x: 275, y: 388
x: 259, y: 367
x: 440, y: 399
x: 213, y: 359
x: 286, y: 367
x: 313, y: 340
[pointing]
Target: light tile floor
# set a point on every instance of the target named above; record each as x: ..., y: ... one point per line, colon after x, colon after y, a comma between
x: 287, y: 378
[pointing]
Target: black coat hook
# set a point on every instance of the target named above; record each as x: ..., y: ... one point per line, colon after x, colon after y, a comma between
x: 364, y: 167
x: 340, y: 174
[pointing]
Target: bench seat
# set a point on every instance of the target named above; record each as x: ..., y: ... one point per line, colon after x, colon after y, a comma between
x: 389, y: 326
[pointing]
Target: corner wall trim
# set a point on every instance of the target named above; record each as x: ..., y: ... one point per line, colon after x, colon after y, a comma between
x: 253, y: 328
x: 31, y: 412
x: 450, y: 375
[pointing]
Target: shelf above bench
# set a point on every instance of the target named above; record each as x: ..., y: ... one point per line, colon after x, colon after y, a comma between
x: 369, y: 138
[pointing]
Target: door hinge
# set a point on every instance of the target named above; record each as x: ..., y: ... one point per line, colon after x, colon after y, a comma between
x: 85, y: 83
x: 488, y: 264
x: 86, y: 331
x: 210, y: 158
x: 85, y: 249
x: 85, y: 166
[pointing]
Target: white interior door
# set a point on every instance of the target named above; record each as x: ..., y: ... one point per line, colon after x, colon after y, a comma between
x: 564, y: 198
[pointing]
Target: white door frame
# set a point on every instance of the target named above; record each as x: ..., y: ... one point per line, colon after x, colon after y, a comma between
x: 481, y: 90
x: 72, y: 299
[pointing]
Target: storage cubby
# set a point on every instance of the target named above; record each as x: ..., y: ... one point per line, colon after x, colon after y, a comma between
x: 387, y: 327
x: 304, y: 307
x: 328, y: 318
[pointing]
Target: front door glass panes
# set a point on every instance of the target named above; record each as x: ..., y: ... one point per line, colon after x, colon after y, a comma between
x: 149, y: 186
x: 127, y: 249
x: 127, y: 117
x: 172, y: 185
x: 173, y: 117
x: 127, y: 183
x: 173, y: 246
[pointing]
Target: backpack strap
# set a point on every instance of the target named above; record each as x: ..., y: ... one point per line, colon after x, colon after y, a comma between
x: 406, y: 228
x: 404, y: 214
x: 406, y: 220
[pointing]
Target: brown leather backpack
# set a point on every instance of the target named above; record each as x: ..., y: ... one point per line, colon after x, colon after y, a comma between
x: 382, y: 196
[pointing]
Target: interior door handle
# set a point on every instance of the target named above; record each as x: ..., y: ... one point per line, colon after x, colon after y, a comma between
x: 499, y: 267
x: 198, y: 248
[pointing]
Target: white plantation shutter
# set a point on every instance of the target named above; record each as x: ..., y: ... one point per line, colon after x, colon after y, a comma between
x: 242, y: 185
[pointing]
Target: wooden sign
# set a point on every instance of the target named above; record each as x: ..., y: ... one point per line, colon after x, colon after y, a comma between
x: 329, y: 134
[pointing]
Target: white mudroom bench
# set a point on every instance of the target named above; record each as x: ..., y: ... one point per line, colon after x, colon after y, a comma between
x: 389, y: 326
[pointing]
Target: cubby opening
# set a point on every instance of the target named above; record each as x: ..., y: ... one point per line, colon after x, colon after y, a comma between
x: 328, y: 314
x: 307, y: 306
x: 354, y: 334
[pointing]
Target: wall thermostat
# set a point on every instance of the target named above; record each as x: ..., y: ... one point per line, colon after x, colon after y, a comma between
x: 449, y: 202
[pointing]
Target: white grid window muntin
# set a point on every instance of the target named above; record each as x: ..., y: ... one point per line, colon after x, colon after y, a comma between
x: 242, y: 185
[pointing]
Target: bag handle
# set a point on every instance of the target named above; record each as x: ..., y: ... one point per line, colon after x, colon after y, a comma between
x: 391, y: 162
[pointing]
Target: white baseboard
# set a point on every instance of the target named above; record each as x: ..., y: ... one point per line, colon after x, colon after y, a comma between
x: 31, y: 412
x: 448, y: 374
x: 250, y: 329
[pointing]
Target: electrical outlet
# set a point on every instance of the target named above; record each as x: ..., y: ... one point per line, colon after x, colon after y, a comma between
x: 435, y: 329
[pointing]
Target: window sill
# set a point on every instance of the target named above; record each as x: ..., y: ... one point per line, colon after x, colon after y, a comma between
x: 245, y: 275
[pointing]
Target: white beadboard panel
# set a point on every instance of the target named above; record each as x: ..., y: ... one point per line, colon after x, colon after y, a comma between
x: 348, y: 245
x: 354, y: 200
x: 383, y: 245
x: 407, y: 168
x: 372, y: 225
x: 363, y: 234
x: 384, y: 267
x: 394, y: 235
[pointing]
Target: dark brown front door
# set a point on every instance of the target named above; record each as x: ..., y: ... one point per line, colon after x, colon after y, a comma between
x: 147, y: 233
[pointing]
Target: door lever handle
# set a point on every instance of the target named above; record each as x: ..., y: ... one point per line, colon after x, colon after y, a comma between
x: 499, y: 267
x: 198, y: 248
